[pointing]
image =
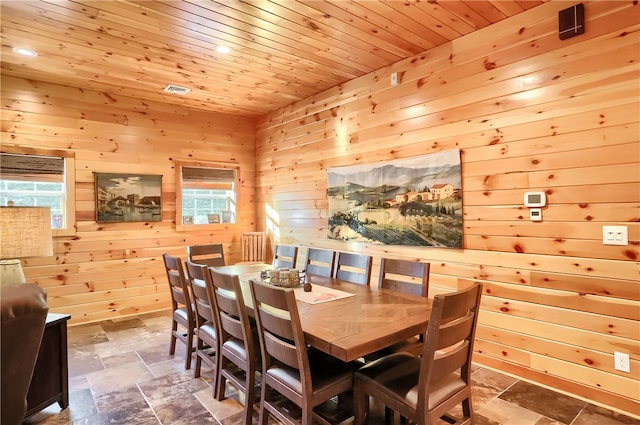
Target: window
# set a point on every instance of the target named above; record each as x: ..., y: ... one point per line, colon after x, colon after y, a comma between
x: 35, y: 177
x: 205, y: 194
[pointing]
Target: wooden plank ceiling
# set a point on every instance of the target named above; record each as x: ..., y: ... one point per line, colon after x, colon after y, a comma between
x: 281, y: 50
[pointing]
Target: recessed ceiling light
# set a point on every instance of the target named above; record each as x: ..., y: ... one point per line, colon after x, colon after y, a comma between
x: 24, y: 52
x: 223, y: 49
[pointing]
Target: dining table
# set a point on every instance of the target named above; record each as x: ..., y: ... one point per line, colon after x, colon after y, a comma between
x: 344, y: 319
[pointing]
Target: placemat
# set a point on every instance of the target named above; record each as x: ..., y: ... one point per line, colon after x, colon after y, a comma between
x: 318, y: 294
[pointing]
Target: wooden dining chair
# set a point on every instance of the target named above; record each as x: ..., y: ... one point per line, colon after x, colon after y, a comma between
x: 183, y: 321
x: 352, y: 267
x: 253, y: 245
x: 206, y: 319
x: 319, y: 262
x: 209, y: 255
x: 424, y: 389
x: 409, y: 277
x: 239, y: 347
x: 291, y: 371
x: 285, y: 256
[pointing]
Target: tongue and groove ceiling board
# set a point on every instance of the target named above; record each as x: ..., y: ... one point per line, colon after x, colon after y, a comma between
x: 281, y: 51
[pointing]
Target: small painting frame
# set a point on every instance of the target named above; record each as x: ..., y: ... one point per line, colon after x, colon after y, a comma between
x: 227, y: 216
x: 214, y: 218
x: 126, y: 197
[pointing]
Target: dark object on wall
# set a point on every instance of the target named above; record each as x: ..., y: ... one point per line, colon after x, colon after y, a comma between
x: 571, y: 21
x: 24, y: 311
x: 128, y: 197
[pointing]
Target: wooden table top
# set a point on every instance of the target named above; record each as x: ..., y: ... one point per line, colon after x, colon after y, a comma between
x: 351, y: 327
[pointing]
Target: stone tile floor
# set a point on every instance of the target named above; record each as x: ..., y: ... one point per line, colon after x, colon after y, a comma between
x: 120, y: 372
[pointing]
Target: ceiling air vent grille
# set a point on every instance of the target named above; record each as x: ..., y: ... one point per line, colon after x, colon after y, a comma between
x: 172, y: 88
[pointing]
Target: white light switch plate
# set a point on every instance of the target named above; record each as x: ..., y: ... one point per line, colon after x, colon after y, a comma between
x: 615, y: 235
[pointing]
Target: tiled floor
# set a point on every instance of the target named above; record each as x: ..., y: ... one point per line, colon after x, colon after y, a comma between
x: 121, y: 373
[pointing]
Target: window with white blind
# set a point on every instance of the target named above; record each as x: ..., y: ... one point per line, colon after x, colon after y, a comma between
x: 205, y: 195
x: 36, y: 177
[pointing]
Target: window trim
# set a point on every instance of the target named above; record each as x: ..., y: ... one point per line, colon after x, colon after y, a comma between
x: 180, y: 227
x: 69, y: 181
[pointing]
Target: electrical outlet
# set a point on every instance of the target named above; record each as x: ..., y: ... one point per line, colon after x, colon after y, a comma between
x: 621, y: 362
x: 615, y: 235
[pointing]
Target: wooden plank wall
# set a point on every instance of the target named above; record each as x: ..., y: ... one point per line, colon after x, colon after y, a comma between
x: 111, y: 270
x: 528, y: 112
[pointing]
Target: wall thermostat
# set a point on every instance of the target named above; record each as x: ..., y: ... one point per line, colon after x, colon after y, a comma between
x: 535, y: 214
x: 535, y: 199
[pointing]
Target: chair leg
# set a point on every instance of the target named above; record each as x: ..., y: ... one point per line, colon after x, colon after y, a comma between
x: 307, y: 415
x: 467, y: 409
x: 360, y: 404
x: 391, y: 417
x: 172, y: 344
x: 250, y: 391
x: 219, y: 393
x: 216, y: 372
x: 189, y: 344
x: 221, y: 381
x: 199, y: 347
x: 264, y: 414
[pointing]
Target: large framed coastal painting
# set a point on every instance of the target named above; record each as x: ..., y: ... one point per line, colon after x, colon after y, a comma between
x: 128, y: 197
x: 412, y: 201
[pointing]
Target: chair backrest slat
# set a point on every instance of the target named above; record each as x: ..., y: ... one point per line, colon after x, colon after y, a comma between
x: 285, y: 256
x: 210, y: 255
x: 451, y: 362
x: 282, y: 350
x: 352, y: 267
x: 409, y: 277
x: 319, y: 262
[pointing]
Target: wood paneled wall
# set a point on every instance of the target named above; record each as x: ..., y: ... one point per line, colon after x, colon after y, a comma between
x: 528, y: 112
x: 111, y: 270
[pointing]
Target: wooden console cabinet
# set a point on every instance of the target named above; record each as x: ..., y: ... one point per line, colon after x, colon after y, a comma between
x: 50, y: 381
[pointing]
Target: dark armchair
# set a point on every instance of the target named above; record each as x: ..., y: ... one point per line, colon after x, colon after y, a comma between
x: 24, y: 312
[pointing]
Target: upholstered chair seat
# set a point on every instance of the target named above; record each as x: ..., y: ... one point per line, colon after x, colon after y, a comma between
x: 395, y: 372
